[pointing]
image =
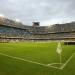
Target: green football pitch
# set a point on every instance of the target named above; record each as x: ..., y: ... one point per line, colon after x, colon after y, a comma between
x: 36, y: 58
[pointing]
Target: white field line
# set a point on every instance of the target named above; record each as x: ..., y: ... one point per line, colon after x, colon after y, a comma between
x: 63, y: 66
x: 21, y: 59
x: 54, y: 64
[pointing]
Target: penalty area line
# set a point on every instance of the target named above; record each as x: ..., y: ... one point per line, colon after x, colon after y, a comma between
x: 21, y: 59
x: 63, y: 66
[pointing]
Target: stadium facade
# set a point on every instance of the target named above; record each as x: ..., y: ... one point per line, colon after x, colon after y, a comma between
x: 15, y: 31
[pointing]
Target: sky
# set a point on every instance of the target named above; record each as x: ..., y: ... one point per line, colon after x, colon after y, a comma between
x: 47, y: 12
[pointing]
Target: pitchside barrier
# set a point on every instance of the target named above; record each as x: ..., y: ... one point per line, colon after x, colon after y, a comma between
x: 69, y: 43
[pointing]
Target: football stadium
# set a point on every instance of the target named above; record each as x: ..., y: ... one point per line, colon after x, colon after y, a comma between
x: 35, y: 49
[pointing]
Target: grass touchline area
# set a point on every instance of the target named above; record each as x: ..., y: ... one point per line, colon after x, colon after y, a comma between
x: 21, y: 59
x: 62, y: 67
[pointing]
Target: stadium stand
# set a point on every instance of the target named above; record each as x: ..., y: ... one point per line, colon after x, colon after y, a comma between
x: 15, y: 31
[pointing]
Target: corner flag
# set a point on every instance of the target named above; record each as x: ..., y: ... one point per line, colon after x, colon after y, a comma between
x: 59, y: 48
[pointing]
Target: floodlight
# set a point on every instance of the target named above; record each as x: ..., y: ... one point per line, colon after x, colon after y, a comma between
x: 2, y: 16
x: 17, y: 20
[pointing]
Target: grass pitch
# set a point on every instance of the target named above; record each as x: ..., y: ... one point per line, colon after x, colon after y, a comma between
x: 32, y: 58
